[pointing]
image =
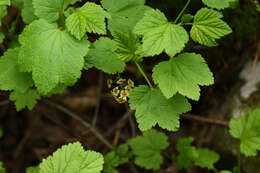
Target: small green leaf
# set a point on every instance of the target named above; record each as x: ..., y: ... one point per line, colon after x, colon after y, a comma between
x: 187, y: 153
x: 186, y: 18
x: 217, y: 3
x: 72, y: 158
x: 225, y: 171
x: 124, y: 14
x: 147, y: 149
x: 56, y: 60
x: 102, y: 55
x: 10, y: 76
x: 160, y: 35
x: 50, y: 9
x: 5, y: 2
x: 116, y: 157
x: 183, y: 74
x: 25, y: 99
x: 28, y: 12
x: 88, y: 18
x: 246, y: 128
x: 2, y: 169
x: 208, y: 26
x: 207, y: 158
x: 127, y: 46
x: 1, y: 132
x: 33, y: 169
x: 153, y: 108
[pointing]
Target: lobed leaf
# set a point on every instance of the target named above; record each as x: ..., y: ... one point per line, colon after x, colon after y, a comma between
x: 159, y: 35
x: 183, y: 74
x: 153, y: 108
x: 246, y: 128
x: 147, y: 149
x: 89, y: 18
x: 52, y: 55
x: 208, y: 26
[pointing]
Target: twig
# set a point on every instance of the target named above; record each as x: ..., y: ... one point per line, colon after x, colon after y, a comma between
x: 100, y: 87
x: 77, y: 117
x: 120, y: 123
x: 205, y: 120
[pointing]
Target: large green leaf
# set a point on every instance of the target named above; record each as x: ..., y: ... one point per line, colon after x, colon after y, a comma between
x: 10, y: 76
x: 246, y: 128
x: 160, y: 35
x: 102, y: 55
x: 72, y: 158
x: 208, y: 26
x: 147, y: 149
x: 153, y: 108
x: 183, y: 74
x: 124, y: 14
x: 89, y: 18
x: 52, y: 55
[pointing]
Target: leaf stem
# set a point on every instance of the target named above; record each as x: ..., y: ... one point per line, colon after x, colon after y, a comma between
x: 144, y: 75
x: 239, y: 160
x: 182, y: 11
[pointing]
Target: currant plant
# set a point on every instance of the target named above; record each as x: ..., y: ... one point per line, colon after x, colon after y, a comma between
x: 53, y: 51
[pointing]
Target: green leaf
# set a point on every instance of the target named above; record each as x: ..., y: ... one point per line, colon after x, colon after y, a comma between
x: 217, y: 3
x: 25, y: 99
x: 2, y: 169
x: 160, y: 35
x: 88, y: 18
x: 2, y: 37
x: 127, y: 46
x: 153, y: 108
x: 147, y: 149
x: 116, y: 157
x: 52, y: 55
x: 187, y: 153
x: 208, y: 26
x: 50, y: 9
x: 72, y: 158
x: 10, y: 76
x: 207, y: 158
x: 33, y: 169
x: 225, y: 171
x: 28, y: 12
x: 186, y: 18
x: 124, y: 14
x: 102, y: 55
x: 5, y: 2
x: 183, y: 74
x: 3, y: 13
x: 246, y: 128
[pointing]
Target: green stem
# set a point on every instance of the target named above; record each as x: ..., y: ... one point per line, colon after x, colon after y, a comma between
x: 182, y: 11
x: 144, y: 75
x: 239, y: 160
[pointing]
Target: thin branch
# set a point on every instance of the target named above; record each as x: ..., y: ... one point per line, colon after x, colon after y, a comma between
x: 205, y: 120
x: 77, y: 117
x: 100, y: 87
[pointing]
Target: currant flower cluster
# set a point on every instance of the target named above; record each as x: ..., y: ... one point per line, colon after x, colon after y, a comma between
x: 122, y: 89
